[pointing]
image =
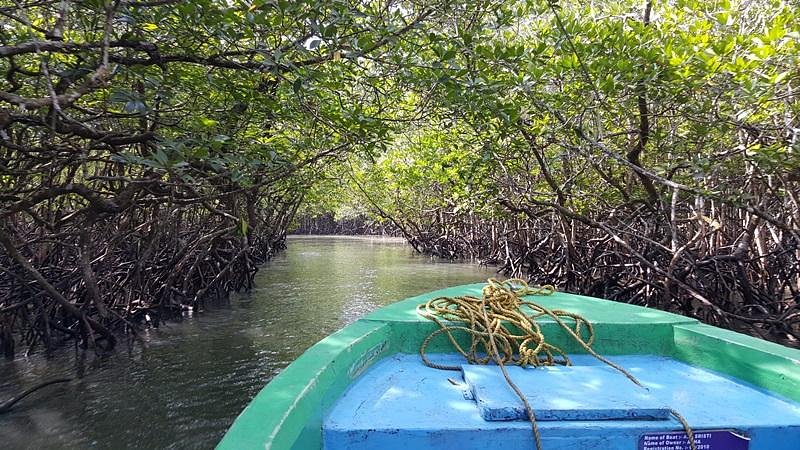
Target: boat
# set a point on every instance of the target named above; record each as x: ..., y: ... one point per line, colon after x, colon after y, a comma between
x: 366, y: 387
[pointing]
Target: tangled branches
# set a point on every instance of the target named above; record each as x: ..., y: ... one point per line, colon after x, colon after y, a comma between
x: 619, y: 160
x: 723, y: 266
x: 145, y: 167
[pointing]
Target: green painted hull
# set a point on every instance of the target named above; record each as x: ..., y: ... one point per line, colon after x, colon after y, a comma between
x: 288, y: 412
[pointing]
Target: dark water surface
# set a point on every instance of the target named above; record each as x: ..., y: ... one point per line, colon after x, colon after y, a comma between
x: 193, y: 377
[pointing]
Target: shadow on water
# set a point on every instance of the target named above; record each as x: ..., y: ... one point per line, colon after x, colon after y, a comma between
x: 186, y: 386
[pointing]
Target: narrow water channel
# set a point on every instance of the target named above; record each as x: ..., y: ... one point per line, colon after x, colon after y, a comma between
x: 186, y: 386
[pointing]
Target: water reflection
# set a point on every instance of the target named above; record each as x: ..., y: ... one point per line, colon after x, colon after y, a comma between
x: 191, y: 380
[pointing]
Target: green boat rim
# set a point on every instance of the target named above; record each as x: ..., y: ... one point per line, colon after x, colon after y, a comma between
x: 288, y: 412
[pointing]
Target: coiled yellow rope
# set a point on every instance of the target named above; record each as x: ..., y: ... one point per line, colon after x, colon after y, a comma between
x: 500, y: 332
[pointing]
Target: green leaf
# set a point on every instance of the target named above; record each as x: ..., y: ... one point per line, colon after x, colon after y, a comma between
x: 207, y: 123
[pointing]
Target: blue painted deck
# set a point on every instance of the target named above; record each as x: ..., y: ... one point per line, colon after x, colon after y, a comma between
x: 401, y: 404
x: 560, y: 393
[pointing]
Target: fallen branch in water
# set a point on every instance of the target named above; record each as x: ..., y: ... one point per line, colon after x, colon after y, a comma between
x: 6, y: 407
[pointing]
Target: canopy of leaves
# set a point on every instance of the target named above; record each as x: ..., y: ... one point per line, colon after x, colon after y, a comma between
x: 638, y: 150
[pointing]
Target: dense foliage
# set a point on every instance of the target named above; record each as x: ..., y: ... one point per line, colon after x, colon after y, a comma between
x: 640, y: 151
x: 152, y: 153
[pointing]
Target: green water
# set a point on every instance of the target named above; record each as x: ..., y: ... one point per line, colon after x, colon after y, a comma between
x: 187, y: 385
